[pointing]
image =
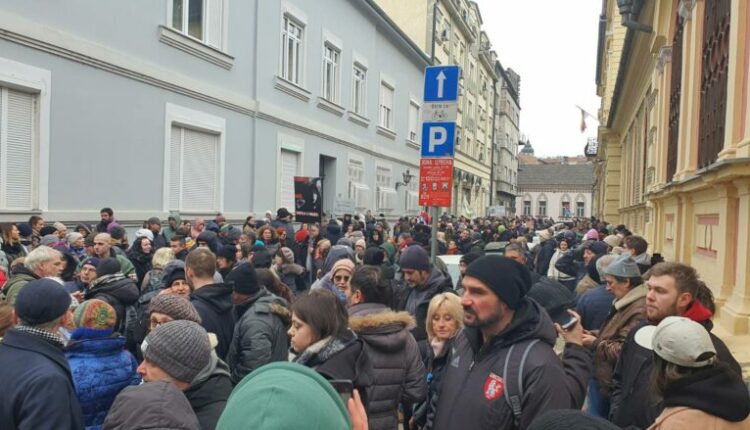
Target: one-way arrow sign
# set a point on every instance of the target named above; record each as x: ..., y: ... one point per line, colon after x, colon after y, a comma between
x: 441, y: 83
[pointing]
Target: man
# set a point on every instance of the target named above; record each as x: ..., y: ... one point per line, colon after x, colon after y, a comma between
x: 40, y: 263
x: 516, y: 253
x: 637, y: 247
x: 576, y: 261
x: 544, y: 252
x: 674, y: 289
x: 179, y: 247
x: 507, y: 340
x: 38, y: 391
x: 86, y: 276
x: 37, y: 224
x: 262, y: 321
x: 174, y: 354
x: 103, y: 249
x: 464, y: 241
x: 113, y: 287
x: 212, y: 301
x: 226, y: 259
x: 154, y: 224
x: 107, y: 216
x: 398, y: 372
x: 423, y: 282
x: 284, y: 219
x: 174, y: 223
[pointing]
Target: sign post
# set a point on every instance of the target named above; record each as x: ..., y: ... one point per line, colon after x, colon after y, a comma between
x: 438, y: 142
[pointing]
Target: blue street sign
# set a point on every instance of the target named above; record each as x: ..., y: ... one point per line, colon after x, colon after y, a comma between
x: 441, y: 83
x: 438, y: 139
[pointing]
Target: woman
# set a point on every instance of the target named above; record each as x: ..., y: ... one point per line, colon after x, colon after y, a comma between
x: 290, y: 273
x: 152, y: 281
x: 320, y: 339
x: 268, y: 236
x: 140, y: 254
x: 273, y: 284
x: 11, y: 242
x: 249, y: 225
x: 699, y: 392
x: 376, y: 239
x: 555, y: 274
x: 319, y: 257
x: 174, y: 281
x: 624, y: 280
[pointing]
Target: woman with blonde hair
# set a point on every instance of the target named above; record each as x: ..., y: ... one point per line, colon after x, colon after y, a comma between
x: 152, y: 281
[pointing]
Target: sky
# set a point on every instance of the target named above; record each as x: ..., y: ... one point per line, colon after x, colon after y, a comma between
x: 552, y: 44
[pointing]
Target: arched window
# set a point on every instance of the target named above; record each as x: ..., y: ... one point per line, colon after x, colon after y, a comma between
x: 565, y: 209
x: 527, y: 204
x: 541, y: 207
x: 580, y: 206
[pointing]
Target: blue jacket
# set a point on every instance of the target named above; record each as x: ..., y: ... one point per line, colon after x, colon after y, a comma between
x: 594, y: 306
x: 37, y: 385
x: 101, y: 368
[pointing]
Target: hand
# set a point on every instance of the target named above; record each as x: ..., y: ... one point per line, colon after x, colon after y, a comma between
x: 588, y: 339
x: 78, y: 296
x: 574, y: 334
x: 357, y: 412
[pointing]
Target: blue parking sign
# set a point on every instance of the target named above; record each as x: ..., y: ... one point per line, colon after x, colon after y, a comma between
x: 438, y: 139
x: 441, y: 83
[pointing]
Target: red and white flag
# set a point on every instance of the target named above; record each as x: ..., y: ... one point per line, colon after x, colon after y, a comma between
x: 584, y: 115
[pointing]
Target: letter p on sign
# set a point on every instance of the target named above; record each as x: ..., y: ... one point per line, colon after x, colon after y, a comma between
x: 438, y: 139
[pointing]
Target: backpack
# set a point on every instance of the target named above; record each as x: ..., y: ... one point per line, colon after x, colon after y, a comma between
x: 513, y: 377
x: 136, y: 321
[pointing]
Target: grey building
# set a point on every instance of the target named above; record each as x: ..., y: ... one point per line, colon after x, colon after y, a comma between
x: 204, y: 106
x: 507, y: 136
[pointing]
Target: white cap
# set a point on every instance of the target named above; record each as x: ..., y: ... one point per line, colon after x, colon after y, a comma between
x: 678, y: 340
x: 144, y: 232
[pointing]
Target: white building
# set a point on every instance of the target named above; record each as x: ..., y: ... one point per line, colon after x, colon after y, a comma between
x: 558, y: 191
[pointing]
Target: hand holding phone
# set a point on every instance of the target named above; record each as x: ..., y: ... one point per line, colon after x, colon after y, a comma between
x: 571, y: 330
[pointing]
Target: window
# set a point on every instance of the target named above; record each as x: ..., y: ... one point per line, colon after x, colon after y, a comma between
x: 359, y: 192
x: 200, y: 19
x: 359, y: 89
x: 386, y: 106
x: 438, y: 22
x: 291, y: 51
x: 194, y: 170
x: 542, y: 208
x: 289, y: 168
x: 413, y: 121
x: 331, y: 56
x: 18, y: 137
x: 580, y: 209
x: 412, y: 197
x: 386, y: 193
x: 527, y: 207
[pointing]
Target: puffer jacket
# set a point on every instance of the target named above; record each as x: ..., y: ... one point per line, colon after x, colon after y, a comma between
x: 153, y: 405
x: 259, y: 335
x: 117, y: 290
x: 209, y: 392
x: 627, y: 312
x: 101, y: 368
x: 397, y: 368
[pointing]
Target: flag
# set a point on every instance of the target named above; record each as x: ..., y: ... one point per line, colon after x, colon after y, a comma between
x: 584, y: 115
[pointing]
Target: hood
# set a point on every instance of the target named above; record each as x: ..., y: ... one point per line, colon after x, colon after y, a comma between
x: 176, y: 216
x: 95, y: 346
x: 390, y: 250
x: 337, y: 253
x: 214, y: 367
x: 292, y: 269
x: 436, y: 279
x: 152, y: 405
x: 717, y: 391
x: 381, y: 327
x: 217, y: 296
x: 118, y: 286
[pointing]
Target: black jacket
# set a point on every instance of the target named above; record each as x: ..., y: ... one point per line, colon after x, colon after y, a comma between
x: 214, y: 305
x: 472, y: 393
x: 543, y: 256
x: 152, y: 405
x: 38, y: 391
x: 633, y: 401
x: 117, y: 290
x: 209, y: 392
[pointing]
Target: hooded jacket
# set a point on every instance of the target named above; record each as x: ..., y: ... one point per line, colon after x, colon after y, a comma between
x: 417, y: 300
x: 260, y: 334
x: 18, y: 279
x: 153, y: 405
x: 117, y: 290
x: 397, y: 368
x: 167, y: 231
x: 336, y: 253
x: 713, y: 398
x: 214, y: 305
x: 209, y: 391
x: 469, y: 397
x: 141, y: 261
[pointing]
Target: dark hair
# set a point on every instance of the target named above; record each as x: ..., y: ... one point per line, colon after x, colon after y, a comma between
x: 323, y: 312
x: 6, y: 231
x: 245, y: 250
x: 34, y: 219
x: 202, y: 262
x: 637, y: 244
x: 107, y: 211
x: 369, y: 281
x: 273, y: 284
x: 178, y: 238
x: 251, y: 237
x: 665, y: 374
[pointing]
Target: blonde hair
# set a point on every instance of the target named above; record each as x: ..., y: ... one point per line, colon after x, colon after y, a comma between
x: 452, y: 304
x: 161, y: 257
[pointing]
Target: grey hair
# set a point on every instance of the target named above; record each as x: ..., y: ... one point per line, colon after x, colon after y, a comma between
x: 40, y: 256
x: 603, y: 262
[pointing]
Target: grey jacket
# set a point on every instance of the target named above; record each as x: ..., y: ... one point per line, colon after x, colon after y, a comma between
x: 152, y: 405
x: 259, y: 334
x: 397, y: 368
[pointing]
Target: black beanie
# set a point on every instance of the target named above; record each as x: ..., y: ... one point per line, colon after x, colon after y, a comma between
x: 415, y: 258
x: 174, y: 275
x: 470, y: 257
x: 243, y: 279
x: 507, y: 278
x: 373, y: 256
x: 570, y: 419
x: 107, y: 266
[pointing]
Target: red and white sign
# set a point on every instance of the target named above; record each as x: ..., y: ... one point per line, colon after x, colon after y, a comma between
x: 435, y: 181
x: 493, y: 387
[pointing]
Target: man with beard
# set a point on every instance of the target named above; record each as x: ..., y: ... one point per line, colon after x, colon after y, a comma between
x: 502, y: 371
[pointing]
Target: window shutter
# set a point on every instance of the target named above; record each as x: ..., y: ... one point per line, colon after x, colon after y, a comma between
x: 199, y: 181
x: 214, y: 21
x: 175, y: 168
x: 19, y: 157
x: 289, y: 164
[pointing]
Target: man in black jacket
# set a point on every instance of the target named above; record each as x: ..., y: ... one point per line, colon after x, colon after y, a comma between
x: 212, y: 301
x: 673, y: 290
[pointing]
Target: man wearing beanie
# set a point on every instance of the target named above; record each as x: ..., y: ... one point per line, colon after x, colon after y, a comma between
x: 262, y: 321
x: 422, y: 282
x: 174, y: 354
x: 226, y: 259
x: 507, y: 341
x: 38, y: 389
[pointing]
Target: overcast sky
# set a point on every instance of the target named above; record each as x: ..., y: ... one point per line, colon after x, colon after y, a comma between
x: 552, y: 45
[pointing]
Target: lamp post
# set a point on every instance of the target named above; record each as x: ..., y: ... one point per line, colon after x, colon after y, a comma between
x: 406, y: 179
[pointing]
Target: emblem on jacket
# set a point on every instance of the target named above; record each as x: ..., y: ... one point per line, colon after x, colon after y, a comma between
x: 493, y: 387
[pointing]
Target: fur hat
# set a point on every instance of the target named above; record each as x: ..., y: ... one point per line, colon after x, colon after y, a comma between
x: 144, y: 232
x: 59, y: 226
x: 612, y: 240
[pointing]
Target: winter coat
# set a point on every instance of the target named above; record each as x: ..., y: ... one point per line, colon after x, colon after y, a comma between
x: 627, y: 312
x: 714, y: 398
x: 470, y: 396
x: 633, y: 401
x: 552, y: 271
x: 209, y: 391
x: 126, y: 267
x: 141, y: 261
x: 593, y: 306
x: 259, y: 335
x: 38, y: 390
x: 571, y: 264
x: 397, y: 368
x: 153, y: 405
x: 214, y: 305
x: 101, y: 368
x: 13, y: 251
x: 424, y: 413
x: 290, y: 274
x: 117, y: 290
x: 20, y: 277
x: 544, y: 255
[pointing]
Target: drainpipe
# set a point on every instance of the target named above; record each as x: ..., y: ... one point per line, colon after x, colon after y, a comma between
x: 434, y: 30
x: 492, y: 142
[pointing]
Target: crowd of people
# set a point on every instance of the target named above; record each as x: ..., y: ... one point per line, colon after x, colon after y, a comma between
x: 203, y: 324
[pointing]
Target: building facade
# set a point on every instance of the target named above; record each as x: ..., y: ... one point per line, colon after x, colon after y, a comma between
x: 557, y: 191
x: 507, y: 136
x: 205, y: 106
x: 674, y: 145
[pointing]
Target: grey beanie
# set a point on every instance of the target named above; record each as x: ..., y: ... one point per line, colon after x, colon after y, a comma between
x: 624, y: 267
x: 174, y: 306
x: 180, y: 348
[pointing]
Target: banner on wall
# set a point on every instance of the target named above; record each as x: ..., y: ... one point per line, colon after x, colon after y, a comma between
x: 307, y: 199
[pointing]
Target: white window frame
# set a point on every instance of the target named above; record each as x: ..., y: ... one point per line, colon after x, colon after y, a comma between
x: 290, y: 20
x: 26, y: 78
x: 292, y: 144
x: 414, y: 128
x: 205, y: 22
x: 357, y: 183
x: 384, y: 186
x: 359, y: 87
x: 386, y: 117
x: 189, y: 118
x: 331, y: 58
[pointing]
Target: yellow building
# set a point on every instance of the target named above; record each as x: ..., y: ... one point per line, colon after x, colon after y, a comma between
x: 450, y: 32
x: 673, y: 159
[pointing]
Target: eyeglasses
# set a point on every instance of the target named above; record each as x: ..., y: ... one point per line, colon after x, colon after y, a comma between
x: 340, y: 278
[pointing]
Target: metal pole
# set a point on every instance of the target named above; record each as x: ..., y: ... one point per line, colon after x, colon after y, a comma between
x: 433, y: 235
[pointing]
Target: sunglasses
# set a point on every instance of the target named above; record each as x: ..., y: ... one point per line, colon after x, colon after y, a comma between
x: 340, y: 278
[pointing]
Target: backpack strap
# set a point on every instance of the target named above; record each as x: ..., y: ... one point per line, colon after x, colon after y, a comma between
x: 513, y: 376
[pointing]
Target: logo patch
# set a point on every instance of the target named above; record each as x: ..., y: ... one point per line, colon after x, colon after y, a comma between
x: 493, y: 387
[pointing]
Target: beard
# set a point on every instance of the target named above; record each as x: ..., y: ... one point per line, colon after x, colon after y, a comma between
x: 655, y: 316
x: 471, y: 319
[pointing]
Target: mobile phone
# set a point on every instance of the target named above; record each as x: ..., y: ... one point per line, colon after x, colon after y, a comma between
x: 344, y: 387
x: 570, y: 323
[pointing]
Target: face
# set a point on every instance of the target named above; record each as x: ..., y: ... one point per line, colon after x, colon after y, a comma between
x: 587, y: 256
x: 155, y: 228
x: 238, y: 253
x: 443, y: 324
x: 104, y: 216
x: 482, y: 307
x: 14, y: 233
x: 53, y: 267
x: 516, y: 256
x: 222, y: 263
x: 619, y: 289
x: 180, y: 287
x: 341, y: 281
x: 101, y: 247
x: 462, y: 267
x: 563, y: 246
x: 464, y: 234
x: 78, y: 244
x: 415, y: 278
x: 267, y: 235
x: 150, y: 372
x: 451, y: 244
x: 663, y: 298
x: 38, y: 225
x: 156, y: 319
x: 301, y: 335
x: 87, y: 274
x: 146, y: 246
x: 282, y: 236
x: 62, y: 233
x: 314, y: 231
x: 176, y: 246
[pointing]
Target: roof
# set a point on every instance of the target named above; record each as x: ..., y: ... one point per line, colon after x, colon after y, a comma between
x: 556, y: 175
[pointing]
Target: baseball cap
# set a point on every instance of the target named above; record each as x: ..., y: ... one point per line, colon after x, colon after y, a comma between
x: 678, y: 340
